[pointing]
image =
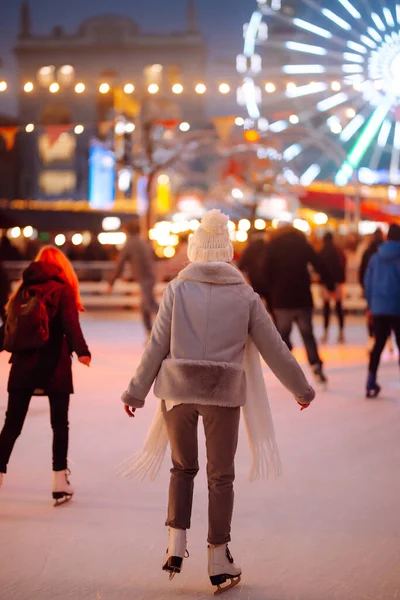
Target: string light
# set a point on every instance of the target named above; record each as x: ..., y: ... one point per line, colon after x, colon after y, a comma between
x: 28, y: 87
x: 3, y: 86
x: 79, y: 129
x: 270, y: 88
x: 80, y: 88
x: 239, y: 121
x: 224, y: 88
x: 153, y: 88
x: 200, y: 88
x: 104, y: 88
x: 184, y: 126
x: 129, y: 88
x: 54, y: 88
x: 177, y: 88
x: 29, y: 128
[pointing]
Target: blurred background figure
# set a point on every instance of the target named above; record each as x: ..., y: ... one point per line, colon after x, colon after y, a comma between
x: 289, y: 289
x: 334, y: 260
x: 170, y: 268
x: 4, y: 292
x: 376, y: 240
x: 382, y: 290
x: 138, y: 253
x: 252, y: 261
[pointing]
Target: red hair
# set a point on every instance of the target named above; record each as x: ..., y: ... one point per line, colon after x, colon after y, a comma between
x: 54, y: 256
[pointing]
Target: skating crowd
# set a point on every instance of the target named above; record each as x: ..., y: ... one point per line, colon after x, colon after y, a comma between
x: 202, y: 354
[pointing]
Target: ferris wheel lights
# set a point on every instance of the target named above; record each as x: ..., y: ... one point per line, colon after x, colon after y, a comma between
x: 305, y: 90
x: 303, y: 69
x: 352, y: 128
x: 367, y: 41
x: 251, y: 33
x: 334, y: 125
x: 307, y: 178
x: 353, y: 57
x: 384, y: 133
x: 352, y: 68
x: 291, y: 152
x: 278, y: 126
x: 312, y: 28
x: 357, y: 47
x: 270, y: 88
x: 350, y: 9
x: 308, y: 48
x: 332, y: 101
x: 378, y: 22
x: 374, y: 34
x: 335, y: 19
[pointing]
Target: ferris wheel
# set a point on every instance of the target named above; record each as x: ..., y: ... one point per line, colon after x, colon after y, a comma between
x: 343, y: 59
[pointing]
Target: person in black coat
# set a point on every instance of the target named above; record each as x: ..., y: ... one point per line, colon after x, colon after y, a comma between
x: 251, y: 263
x: 286, y: 273
x: 334, y: 260
x: 47, y: 371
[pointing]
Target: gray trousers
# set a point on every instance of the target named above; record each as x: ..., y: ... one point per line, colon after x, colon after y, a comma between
x: 221, y: 428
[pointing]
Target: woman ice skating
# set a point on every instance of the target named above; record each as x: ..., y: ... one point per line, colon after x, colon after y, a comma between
x: 382, y: 291
x: 200, y: 352
x: 41, y: 331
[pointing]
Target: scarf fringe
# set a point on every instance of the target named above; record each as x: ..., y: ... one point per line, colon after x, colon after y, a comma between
x: 265, y: 461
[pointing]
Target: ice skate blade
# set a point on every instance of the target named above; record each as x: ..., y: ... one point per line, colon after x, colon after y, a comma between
x: 61, y: 498
x: 234, y: 581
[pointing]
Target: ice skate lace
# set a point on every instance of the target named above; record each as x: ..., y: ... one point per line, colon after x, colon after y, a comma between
x: 229, y: 555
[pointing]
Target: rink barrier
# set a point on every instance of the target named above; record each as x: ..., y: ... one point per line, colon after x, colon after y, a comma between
x: 93, y: 278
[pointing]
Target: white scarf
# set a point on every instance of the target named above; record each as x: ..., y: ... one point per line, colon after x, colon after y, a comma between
x: 259, y: 425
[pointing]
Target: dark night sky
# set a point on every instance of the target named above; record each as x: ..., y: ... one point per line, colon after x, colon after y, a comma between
x: 221, y: 23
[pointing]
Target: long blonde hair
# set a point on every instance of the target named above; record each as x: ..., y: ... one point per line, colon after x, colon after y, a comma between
x: 54, y: 256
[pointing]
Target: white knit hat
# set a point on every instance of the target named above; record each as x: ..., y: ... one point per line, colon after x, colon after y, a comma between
x: 211, y: 241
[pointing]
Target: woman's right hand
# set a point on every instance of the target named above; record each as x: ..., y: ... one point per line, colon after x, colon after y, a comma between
x: 85, y: 360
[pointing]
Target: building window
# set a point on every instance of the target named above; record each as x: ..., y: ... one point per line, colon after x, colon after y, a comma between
x: 46, y: 75
x: 66, y: 75
x: 153, y: 74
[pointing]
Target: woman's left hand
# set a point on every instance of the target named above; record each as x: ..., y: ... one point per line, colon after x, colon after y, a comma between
x: 129, y: 410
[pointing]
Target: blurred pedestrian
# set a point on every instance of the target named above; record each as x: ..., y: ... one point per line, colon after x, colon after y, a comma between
x: 199, y: 351
x: 334, y: 260
x: 4, y: 292
x: 289, y: 289
x: 377, y: 240
x: 138, y: 253
x: 382, y: 290
x: 252, y: 262
x: 41, y: 331
x: 170, y: 267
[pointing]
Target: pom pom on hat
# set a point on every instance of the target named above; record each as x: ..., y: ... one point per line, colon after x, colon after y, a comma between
x: 211, y: 241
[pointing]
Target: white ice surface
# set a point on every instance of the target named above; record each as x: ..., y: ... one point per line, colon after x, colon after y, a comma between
x: 329, y: 529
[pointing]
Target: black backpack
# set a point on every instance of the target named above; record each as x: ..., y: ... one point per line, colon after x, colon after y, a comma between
x: 27, y: 326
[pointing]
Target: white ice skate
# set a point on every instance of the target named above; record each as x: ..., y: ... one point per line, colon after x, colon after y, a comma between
x: 176, y: 551
x: 61, y: 487
x: 221, y: 568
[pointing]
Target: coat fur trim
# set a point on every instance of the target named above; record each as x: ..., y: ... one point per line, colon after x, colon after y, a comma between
x: 201, y: 382
x: 218, y: 273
